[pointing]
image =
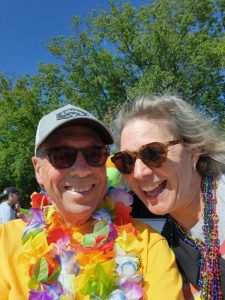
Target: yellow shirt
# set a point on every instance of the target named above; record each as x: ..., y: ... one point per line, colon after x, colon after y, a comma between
x: 162, y: 279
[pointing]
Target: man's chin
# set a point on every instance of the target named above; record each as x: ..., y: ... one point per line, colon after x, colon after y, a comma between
x: 77, y: 216
x: 77, y: 221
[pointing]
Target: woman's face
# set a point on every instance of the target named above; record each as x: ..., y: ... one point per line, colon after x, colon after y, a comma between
x: 171, y: 187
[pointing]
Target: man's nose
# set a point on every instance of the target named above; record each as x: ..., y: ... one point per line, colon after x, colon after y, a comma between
x: 80, y: 166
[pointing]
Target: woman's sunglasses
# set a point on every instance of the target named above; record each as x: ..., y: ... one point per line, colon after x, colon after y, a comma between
x: 152, y: 155
x: 64, y: 156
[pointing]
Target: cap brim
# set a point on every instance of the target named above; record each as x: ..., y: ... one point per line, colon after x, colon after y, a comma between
x: 97, y: 126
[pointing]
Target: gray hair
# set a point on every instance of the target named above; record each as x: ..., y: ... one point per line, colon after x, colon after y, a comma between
x: 186, y: 122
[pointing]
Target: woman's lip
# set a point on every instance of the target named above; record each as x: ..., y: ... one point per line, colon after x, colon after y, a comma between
x: 156, y: 191
x: 151, y: 187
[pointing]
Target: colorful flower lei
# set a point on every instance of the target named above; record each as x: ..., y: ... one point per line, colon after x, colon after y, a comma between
x: 65, y: 263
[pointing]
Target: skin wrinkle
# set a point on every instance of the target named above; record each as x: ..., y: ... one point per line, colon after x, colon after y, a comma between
x: 182, y: 189
x: 75, y: 207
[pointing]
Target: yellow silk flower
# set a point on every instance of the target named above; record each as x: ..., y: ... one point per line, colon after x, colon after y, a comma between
x: 89, y: 271
x: 34, y: 248
x: 128, y: 242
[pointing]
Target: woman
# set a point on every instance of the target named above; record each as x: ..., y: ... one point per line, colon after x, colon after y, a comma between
x: 174, y: 161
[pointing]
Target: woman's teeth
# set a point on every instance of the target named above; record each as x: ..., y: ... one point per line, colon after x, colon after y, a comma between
x: 154, y: 188
x: 151, y: 187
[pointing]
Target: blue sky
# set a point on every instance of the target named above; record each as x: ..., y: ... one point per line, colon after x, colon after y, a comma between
x: 27, y: 25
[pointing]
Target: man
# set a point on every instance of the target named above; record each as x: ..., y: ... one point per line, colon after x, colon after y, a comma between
x: 7, y: 207
x: 83, y: 245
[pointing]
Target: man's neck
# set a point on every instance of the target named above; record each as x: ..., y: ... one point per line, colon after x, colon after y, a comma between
x: 9, y: 203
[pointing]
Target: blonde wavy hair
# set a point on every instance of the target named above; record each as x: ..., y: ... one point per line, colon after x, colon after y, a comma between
x: 194, y: 128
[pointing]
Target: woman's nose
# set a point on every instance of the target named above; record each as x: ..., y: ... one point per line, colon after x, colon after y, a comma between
x: 141, y: 170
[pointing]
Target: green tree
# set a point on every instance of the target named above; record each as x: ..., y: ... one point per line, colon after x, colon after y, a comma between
x: 17, y: 110
x: 22, y: 104
x: 166, y: 46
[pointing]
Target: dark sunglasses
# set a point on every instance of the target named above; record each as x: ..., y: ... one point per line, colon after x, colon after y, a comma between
x: 63, y: 157
x: 152, y: 155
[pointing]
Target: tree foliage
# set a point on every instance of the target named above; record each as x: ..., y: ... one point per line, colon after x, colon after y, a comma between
x: 22, y: 104
x: 165, y: 46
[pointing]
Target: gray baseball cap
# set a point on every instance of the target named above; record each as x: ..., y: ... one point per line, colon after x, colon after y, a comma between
x: 70, y: 114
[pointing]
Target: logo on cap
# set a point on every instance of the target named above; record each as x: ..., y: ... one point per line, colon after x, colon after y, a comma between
x: 70, y: 113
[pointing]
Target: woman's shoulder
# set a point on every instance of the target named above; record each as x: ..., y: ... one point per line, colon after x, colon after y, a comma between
x: 221, y: 187
x: 221, y: 179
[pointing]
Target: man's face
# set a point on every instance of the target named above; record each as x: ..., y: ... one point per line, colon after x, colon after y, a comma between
x: 76, y: 191
x: 13, y: 199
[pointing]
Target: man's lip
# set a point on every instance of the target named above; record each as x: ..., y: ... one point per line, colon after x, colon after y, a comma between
x: 79, y: 188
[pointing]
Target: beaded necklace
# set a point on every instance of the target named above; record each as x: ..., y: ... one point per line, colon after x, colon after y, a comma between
x: 99, y: 261
x: 210, y: 275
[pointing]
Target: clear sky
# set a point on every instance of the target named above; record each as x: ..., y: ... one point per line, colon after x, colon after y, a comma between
x: 27, y: 25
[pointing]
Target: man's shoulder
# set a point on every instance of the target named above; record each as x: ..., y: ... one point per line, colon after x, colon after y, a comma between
x: 12, y: 227
x: 142, y: 227
x: 3, y: 204
x: 11, y: 238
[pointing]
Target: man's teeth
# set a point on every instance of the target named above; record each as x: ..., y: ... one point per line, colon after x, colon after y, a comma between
x: 151, y: 187
x: 78, y: 190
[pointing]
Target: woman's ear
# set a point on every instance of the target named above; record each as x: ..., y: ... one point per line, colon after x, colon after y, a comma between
x: 195, y: 154
x: 37, y: 164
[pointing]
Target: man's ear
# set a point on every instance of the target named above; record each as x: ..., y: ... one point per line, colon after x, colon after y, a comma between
x: 37, y: 164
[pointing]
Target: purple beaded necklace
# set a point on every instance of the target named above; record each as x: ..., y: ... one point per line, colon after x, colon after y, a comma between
x: 210, y: 275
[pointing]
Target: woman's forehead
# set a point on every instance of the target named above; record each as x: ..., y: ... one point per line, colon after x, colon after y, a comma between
x: 140, y: 132
x: 148, y: 127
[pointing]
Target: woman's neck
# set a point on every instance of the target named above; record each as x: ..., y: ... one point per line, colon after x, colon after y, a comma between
x: 189, y: 215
